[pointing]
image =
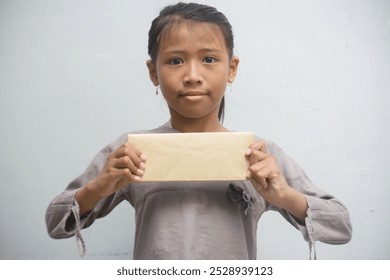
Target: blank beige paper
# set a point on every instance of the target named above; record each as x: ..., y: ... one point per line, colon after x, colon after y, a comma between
x: 194, y: 156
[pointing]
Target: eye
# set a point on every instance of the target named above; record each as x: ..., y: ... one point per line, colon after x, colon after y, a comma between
x: 209, y: 59
x: 175, y: 61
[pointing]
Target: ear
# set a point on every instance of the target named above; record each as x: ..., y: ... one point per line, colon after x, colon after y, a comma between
x: 152, y: 72
x: 233, y: 67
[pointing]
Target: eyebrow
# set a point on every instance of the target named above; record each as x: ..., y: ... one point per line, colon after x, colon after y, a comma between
x: 175, y: 51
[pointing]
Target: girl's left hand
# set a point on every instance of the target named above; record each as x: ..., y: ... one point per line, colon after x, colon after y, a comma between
x: 265, y: 175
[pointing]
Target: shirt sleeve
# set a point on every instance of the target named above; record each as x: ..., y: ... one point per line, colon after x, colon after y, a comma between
x: 327, y: 218
x: 63, y: 216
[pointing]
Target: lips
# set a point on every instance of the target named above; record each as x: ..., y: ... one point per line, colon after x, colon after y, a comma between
x: 193, y: 96
x: 192, y: 93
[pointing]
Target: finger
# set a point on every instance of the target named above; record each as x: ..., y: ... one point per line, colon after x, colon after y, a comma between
x: 259, y: 145
x: 141, y: 155
x: 116, y: 176
x: 125, y: 175
x: 125, y: 149
x: 126, y: 162
x: 264, y: 169
x: 134, y: 154
x: 257, y: 156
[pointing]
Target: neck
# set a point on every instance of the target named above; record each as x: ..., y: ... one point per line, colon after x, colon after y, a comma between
x: 208, y: 124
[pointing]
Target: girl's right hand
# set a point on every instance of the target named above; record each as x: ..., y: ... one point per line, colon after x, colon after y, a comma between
x: 124, y: 165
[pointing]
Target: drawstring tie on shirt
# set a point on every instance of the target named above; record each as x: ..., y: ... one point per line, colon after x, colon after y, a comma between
x: 238, y: 195
x: 312, y: 240
x: 79, y: 238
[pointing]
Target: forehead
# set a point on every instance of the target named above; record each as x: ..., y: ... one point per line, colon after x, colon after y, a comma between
x: 191, y: 33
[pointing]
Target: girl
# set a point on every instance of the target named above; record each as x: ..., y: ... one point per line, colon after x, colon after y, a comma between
x: 191, y: 62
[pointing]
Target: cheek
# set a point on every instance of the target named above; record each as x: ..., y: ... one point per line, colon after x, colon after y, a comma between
x: 222, y: 74
x: 220, y: 81
x: 167, y: 86
x: 167, y: 78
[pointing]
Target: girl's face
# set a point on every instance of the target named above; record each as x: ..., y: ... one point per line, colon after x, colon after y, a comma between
x: 192, y: 68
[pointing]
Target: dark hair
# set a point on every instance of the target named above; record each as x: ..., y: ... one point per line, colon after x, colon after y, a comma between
x: 192, y: 12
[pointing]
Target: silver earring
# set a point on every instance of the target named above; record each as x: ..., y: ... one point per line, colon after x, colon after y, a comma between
x: 157, y: 87
x: 230, y: 87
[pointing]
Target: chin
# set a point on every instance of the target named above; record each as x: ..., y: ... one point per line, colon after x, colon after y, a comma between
x: 198, y: 113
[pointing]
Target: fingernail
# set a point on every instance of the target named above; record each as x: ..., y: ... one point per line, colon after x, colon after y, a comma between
x: 143, y: 157
x: 140, y: 172
x: 142, y: 166
x: 248, y: 174
x: 137, y: 178
x: 248, y: 152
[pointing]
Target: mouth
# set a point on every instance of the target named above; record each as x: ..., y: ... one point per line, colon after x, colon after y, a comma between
x: 193, y: 95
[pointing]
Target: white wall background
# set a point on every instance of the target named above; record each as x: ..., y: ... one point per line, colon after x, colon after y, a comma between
x: 314, y: 78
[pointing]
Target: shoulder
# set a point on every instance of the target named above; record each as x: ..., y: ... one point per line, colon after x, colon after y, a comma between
x: 272, y: 147
x: 284, y: 161
x: 289, y: 166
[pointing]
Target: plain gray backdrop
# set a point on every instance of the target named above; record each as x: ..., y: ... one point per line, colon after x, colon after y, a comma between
x: 314, y: 78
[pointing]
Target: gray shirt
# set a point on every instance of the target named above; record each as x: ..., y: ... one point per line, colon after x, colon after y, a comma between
x: 199, y: 220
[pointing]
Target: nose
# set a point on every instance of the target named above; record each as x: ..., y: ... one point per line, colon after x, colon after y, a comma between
x: 193, y: 74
